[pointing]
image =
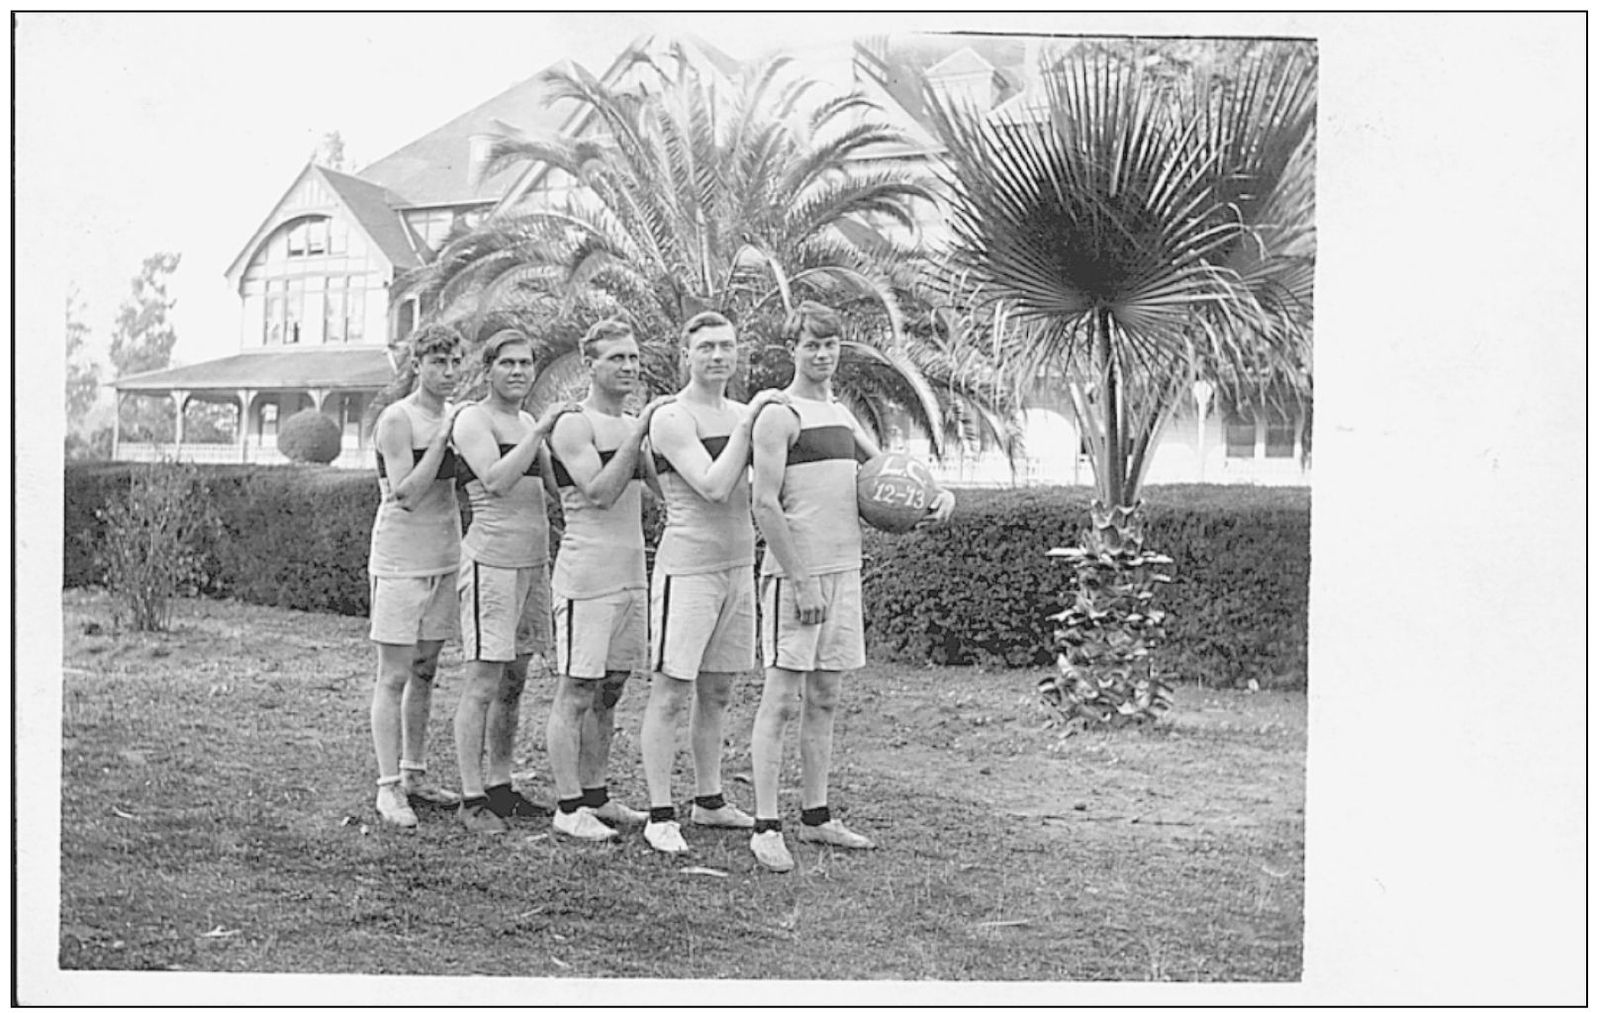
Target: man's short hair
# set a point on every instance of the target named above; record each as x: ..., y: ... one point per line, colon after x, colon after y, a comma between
x: 698, y: 322
x: 813, y: 319
x: 495, y: 345
x: 431, y: 339
x: 604, y: 330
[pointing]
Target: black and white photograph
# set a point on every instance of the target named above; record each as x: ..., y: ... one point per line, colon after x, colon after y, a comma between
x: 748, y: 509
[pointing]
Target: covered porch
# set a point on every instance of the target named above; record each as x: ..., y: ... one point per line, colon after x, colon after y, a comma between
x: 228, y: 411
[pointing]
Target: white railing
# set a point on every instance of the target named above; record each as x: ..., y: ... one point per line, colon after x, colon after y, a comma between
x: 230, y: 453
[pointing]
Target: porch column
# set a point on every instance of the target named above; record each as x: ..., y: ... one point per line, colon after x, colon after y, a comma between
x: 181, y: 399
x: 116, y: 423
x: 1202, y: 390
x: 243, y: 394
x: 318, y: 397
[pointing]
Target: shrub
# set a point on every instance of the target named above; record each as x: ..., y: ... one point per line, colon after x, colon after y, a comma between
x: 310, y: 437
x: 157, y: 534
x: 979, y: 589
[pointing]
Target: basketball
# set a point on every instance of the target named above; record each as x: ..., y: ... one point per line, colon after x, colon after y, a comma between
x: 895, y: 492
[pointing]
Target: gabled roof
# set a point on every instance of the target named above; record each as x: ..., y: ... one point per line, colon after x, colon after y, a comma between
x: 966, y: 61
x: 374, y: 208
x: 368, y: 206
x: 897, y: 64
x: 339, y: 368
x: 433, y: 169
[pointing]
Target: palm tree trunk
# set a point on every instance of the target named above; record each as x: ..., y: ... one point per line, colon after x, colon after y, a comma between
x: 1111, y: 474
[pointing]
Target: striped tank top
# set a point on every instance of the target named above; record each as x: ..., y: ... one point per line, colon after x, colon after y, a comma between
x: 423, y: 541
x: 602, y: 549
x: 818, y: 493
x: 510, y: 530
x: 701, y: 536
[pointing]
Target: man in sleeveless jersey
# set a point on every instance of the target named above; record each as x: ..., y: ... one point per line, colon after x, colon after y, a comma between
x: 601, y: 611
x: 806, y: 460
x: 702, y: 590
x: 415, y: 551
x: 503, y: 583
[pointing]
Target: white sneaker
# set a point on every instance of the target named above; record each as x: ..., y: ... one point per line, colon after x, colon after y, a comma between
x: 613, y: 812
x: 394, y: 808
x: 666, y: 837
x: 771, y: 851
x: 728, y: 815
x: 583, y: 825
x: 833, y: 832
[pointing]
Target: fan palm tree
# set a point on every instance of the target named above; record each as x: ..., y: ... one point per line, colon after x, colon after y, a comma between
x: 698, y: 191
x: 1142, y: 236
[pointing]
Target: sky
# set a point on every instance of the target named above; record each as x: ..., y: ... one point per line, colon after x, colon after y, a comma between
x: 144, y: 132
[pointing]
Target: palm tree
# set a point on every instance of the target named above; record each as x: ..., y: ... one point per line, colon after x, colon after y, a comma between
x: 743, y: 194
x: 1142, y: 237
x: 1148, y: 231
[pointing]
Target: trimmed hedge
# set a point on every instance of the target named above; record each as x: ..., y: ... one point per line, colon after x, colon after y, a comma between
x: 976, y: 591
x: 979, y: 590
x: 310, y: 437
x: 292, y: 537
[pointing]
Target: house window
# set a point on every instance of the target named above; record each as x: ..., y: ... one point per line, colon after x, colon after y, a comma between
x: 276, y: 304
x: 344, y: 308
x: 352, y: 409
x: 1241, y: 432
x: 1279, y: 435
x: 294, y: 315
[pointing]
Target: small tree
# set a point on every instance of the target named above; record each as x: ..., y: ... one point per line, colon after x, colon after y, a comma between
x: 309, y: 437
x: 157, y: 536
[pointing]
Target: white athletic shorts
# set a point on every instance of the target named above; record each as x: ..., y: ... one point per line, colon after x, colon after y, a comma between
x: 702, y: 622
x: 408, y: 610
x: 504, y: 611
x: 609, y: 633
x: 836, y: 644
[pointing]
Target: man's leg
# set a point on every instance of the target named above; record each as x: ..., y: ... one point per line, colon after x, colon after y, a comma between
x: 417, y: 711
x: 594, y: 758
x: 815, y: 734
x: 779, y: 705
x: 708, y: 729
x: 471, y: 722
x: 393, y: 669
x: 504, y: 714
x: 571, y: 710
x: 668, y: 701
x: 821, y: 692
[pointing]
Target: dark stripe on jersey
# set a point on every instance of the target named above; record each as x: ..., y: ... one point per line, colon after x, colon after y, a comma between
x: 822, y: 443
x: 776, y: 620
x: 713, y: 445
x: 446, y: 467
x: 665, y: 620
x: 563, y: 479
x: 464, y: 473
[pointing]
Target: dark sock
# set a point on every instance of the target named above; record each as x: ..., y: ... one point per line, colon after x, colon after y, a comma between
x: 593, y: 798
x: 715, y: 801
x: 570, y: 805
x: 474, y: 801
x: 815, y: 817
x: 662, y: 813
x: 761, y: 826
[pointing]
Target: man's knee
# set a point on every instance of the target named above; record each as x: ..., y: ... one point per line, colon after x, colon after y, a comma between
x: 610, y: 689
x: 821, y: 692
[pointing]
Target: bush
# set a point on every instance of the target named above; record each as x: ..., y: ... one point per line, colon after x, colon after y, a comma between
x: 310, y: 437
x: 979, y: 589
x: 975, y: 591
x: 157, y: 534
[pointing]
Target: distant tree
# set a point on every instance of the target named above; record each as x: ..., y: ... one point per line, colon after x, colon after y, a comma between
x: 142, y: 340
x: 330, y: 152
x: 83, y: 376
x: 144, y: 337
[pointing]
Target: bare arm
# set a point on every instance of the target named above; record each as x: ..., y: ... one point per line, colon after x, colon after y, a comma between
x: 673, y: 435
x: 504, y: 473
x: 409, y: 478
x: 600, y: 482
x: 773, y: 434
